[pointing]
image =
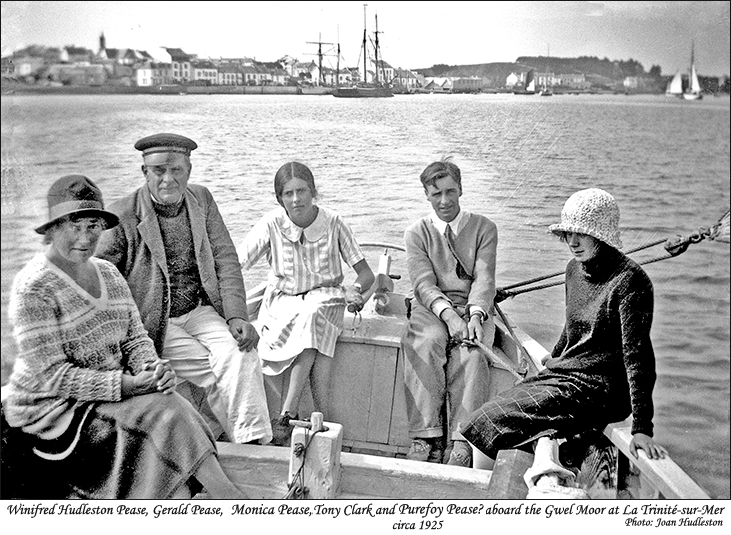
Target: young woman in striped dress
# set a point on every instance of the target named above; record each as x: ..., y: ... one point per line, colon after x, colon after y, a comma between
x: 303, y: 306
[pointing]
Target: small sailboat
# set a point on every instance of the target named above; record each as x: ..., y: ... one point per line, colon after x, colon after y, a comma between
x: 546, y: 90
x: 693, y: 91
x: 675, y: 86
x: 529, y: 87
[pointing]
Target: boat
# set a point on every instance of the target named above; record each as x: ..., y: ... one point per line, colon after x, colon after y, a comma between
x: 693, y: 91
x: 361, y: 452
x: 378, y: 88
x: 675, y: 86
x: 529, y: 87
x: 546, y: 90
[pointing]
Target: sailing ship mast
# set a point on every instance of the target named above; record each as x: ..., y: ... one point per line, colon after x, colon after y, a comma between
x: 337, y: 75
x: 319, y: 44
x: 365, y: 46
x: 377, y: 64
x: 694, y: 87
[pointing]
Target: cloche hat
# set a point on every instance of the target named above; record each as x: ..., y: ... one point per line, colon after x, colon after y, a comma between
x: 75, y: 194
x: 593, y: 212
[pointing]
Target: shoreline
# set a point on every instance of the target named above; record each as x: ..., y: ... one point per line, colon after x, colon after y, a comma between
x: 12, y: 88
x: 23, y: 89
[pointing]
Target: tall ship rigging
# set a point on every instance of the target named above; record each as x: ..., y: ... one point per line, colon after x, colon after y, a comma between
x: 378, y: 87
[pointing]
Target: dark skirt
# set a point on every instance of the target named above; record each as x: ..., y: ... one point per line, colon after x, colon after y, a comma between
x: 144, y: 447
x: 549, y: 404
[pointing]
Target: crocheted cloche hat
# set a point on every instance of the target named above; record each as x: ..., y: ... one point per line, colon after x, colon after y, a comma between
x: 593, y: 212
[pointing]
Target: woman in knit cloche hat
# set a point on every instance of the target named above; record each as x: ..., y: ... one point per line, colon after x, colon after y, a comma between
x: 603, y: 367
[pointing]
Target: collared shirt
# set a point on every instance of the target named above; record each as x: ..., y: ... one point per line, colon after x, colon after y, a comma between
x: 301, y: 258
x: 457, y: 224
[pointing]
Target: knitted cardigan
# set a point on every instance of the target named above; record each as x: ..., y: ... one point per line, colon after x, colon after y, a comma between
x: 609, y: 309
x: 433, y: 268
x: 70, y: 344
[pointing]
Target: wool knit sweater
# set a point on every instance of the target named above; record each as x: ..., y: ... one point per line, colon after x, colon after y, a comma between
x: 71, y: 345
x: 609, y: 308
x: 433, y: 268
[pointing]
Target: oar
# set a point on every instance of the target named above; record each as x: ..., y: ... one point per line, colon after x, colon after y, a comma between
x: 673, y: 246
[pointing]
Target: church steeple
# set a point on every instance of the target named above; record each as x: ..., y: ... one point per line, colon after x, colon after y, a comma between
x: 102, y: 42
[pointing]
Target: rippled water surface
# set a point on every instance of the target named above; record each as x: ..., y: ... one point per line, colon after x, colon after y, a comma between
x: 665, y: 161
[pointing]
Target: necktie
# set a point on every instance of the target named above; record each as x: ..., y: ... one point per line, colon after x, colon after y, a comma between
x: 462, y: 273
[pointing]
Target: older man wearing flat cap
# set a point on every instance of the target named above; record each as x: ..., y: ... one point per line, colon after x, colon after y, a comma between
x: 175, y: 251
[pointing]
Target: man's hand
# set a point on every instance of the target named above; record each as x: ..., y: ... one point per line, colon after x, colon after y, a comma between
x: 244, y: 333
x: 474, y: 328
x: 456, y: 326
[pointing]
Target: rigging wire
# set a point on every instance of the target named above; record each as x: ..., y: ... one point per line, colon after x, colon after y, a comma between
x: 673, y: 246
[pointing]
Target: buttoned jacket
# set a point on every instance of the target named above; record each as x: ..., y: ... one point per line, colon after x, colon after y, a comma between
x: 136, y: 247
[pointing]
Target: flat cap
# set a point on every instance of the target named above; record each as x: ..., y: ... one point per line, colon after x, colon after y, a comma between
x: 165, y: 143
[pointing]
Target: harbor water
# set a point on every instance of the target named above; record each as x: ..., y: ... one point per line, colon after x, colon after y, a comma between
x: 666, y: 161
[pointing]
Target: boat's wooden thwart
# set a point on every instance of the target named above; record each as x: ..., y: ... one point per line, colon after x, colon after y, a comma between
x: 367, y: 399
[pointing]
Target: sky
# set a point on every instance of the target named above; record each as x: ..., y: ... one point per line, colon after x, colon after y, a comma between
x: 414, y: 34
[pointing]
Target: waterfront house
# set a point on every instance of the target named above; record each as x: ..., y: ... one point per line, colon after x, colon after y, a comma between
x: 546, y: 79
x: 76, y: 55
x: 309, y: 72
x: 162, y: 73
x: 333, y: 78
x: 275, y: 72
x: 404, y: 80
x: 512, y: 80
x: 468, y: 84
x: 143, y: 75
x: 78, y: 75
x: 386, y: 73
x: 204, y: 72
x: 182, y: 71
x: 250, y: 75
x: 288, y: 62
x: 230, y: 74
x: 27, y: 66
x: 574, y: 81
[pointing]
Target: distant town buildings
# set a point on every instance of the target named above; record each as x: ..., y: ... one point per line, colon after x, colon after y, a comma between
x: 76, y: 66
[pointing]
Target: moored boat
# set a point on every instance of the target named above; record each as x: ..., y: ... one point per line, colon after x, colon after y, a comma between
x: 529, y: 87
x: 693, y: 92
x: 377, y: 88
x: 368, y: 406
x: 675, y: 86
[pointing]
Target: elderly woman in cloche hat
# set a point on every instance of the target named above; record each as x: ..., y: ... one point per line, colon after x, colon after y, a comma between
x: 602, y: 369
x: 87, y: 383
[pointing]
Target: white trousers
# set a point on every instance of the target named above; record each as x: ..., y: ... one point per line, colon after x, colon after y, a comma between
x: 202, y: 350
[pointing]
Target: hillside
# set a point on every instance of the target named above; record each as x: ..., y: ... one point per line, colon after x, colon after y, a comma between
x: 589, y: 66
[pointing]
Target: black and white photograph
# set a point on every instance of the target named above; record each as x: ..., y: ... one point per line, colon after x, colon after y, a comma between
x: 386, y: 265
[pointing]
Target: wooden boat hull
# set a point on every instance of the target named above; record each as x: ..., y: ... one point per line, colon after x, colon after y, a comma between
x: 367, y: 399
x: 362, y: 92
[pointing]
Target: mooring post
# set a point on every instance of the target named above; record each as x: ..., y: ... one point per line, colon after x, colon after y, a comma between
x: 315, y: 456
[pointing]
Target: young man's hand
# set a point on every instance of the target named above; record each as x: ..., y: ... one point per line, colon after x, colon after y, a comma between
x: 456, y: 326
